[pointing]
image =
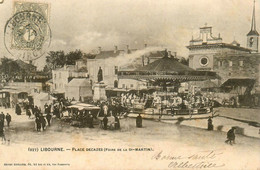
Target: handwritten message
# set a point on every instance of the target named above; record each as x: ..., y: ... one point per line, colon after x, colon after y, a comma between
x: 199, y: 160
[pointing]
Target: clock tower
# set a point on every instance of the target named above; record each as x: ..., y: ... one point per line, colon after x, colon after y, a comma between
x: 253, y: 35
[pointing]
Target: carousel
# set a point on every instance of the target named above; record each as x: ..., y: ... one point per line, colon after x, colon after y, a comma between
x: 165, y: 76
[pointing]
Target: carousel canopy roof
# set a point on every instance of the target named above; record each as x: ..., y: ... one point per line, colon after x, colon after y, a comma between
x: 165, y: 64
x: 167, y: 69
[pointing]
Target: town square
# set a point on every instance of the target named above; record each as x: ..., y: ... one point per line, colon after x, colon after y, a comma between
x: 162, y: 87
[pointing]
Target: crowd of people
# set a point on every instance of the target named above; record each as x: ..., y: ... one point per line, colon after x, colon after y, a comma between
x: 110, y: 112
x: 157, y: 100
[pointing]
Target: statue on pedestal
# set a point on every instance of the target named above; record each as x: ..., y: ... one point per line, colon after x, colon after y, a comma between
x: 100, y: 75
x: 100, y: 87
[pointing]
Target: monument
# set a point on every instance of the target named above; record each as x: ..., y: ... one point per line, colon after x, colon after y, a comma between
x: 99, y: 87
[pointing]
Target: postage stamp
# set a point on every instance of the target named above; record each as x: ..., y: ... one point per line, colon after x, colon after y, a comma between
x: 27, y: 33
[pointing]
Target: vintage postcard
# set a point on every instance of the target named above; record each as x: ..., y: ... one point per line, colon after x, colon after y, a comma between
x: 129, y: 84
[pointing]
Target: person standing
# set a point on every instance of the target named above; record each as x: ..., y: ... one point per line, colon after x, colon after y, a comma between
x: 18, y: 110
x: 210, y: 125
x: 117, y: 123
x: 38, y: 124
x: 48, y: 117
x: 91, y: 121
x: 2, y: 119
x: 105, y: 108
x: 8, y: 119
x: 28, y: 113
x: 139, y: 120
x: 231, y: 136
x: 1, y: 124
x: 2, y: 134
x: 105, y: 121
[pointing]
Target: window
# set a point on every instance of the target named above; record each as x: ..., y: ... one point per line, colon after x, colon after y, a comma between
x: 230, y: 63
x: 55, y: 86
x: 115, y: 83
x: 241, y: 63
x: 54, y: 76
x: 131, y: 85
x: 251, y: 41
x: 116, y: 69
x: 123, y: 85
x: 59, y: 75
x: 204, y: 61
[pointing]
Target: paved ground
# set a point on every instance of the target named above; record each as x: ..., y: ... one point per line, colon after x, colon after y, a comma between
x: 197, y: 146
x: 240, y: 113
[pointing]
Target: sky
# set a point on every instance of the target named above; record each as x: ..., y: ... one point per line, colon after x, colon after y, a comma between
x: 88, y: 24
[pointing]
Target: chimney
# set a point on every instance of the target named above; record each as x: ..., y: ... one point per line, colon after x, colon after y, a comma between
x: 169, y: 54
x: 165, y: 53
x: 127, y: 49
x: 175, y: 55
x: 99, y: 49
x: 145, y: 45
x: 115, y: 49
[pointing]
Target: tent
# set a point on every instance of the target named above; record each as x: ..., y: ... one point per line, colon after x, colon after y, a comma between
x: 78, y: 88
x: 41, y: 99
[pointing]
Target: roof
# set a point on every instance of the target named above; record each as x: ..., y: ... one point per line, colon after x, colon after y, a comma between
x: 239, y: 82
x: 79, y: 82
x: 25, y: 65
x: 253, y: 32
x: 84, y: 106
x: 219, y: 45
x: 106, y: 54
x: 165, y: 64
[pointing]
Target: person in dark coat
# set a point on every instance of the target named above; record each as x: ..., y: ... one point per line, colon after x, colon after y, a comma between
x: 105, y: 121
x: 91, y: 121
x: 18, y: 110
x: 139, y: 120
x: 2, y: 134
x: 1, y: 124
x: 231, y: 136
x: 28, y: 112
x: 38, y: 123
x: 8, y: 119
x: 117, y: 123
x: 210, y: 125
x: 2, y: 119
x: 48, y: 117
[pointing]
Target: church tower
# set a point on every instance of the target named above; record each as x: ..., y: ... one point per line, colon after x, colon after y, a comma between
x: 253, y: 35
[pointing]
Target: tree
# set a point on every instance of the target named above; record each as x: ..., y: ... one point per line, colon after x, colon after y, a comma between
x: 72, y: 56
x: 55, y: 59
x: 9, y: 67
x: 184, y: 61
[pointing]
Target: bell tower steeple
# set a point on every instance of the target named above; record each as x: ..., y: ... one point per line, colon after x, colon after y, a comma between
x: 253, y: 35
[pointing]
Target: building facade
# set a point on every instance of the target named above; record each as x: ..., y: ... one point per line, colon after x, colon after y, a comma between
x: 230, y: 61
x: 62, y: 76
